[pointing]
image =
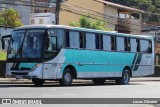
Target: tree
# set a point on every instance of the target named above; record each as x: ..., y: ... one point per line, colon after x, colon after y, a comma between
x: 88, y: 22
x: 10, y: 17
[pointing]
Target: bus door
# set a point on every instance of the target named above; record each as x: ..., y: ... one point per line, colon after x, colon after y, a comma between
x: 146, y: 61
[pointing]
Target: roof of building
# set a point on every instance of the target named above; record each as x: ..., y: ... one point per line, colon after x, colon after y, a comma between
x: 120, y: 6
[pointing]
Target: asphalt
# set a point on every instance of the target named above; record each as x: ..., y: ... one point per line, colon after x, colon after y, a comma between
x: 138, y: 79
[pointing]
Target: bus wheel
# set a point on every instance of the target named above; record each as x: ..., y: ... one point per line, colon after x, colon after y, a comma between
x: 99, y: 81
x: 38, y: 82
x: 67, y: 78
x: 124, y: 80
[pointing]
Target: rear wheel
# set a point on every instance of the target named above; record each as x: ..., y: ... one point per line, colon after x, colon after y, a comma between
x: 67, y: 78
x: 99, y: 81
x: 124, y: 80
x: 38, y: 82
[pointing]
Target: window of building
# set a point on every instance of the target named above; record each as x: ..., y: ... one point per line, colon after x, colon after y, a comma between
x: 106, y: 42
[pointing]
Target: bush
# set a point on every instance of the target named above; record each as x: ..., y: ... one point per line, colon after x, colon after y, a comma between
x: 3, y: 55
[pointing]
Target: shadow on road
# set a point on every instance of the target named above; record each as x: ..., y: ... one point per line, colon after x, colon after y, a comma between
x: 56, y: 84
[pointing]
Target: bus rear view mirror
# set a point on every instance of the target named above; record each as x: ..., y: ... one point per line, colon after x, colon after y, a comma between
x: 4, y: 38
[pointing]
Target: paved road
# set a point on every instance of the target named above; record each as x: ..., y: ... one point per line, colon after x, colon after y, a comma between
x: 138, y: 88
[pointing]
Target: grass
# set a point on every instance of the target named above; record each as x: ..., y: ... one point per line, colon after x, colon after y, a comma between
x: 3, y: 55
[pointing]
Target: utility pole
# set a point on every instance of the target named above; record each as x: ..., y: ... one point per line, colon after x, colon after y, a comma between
x: 57, y: 11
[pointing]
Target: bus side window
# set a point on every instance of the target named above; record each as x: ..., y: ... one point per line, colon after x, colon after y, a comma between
x: 90, y: 41
x: 120, y: 43
x: 52, y: 43
x: 84, y: 40
x: 107, y: 42
x: 150, y: 47
x: 81, y: 39
x: 113, y: 43
x: 127, y: 44
x: 67, y: 39
x: 145, y: 46
x: 74, y: 39
x: 138, y: 45
x: 101, y: 42
x: 97, y: 41
x: 133, y: 45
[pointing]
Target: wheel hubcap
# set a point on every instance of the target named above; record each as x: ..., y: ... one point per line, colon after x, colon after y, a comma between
x: 126, y: 77
x: 67, y: 77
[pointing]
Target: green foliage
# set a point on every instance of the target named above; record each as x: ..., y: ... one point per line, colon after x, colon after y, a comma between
x: 87, y: 22
x: 3, y: 55
x: 10, y: 17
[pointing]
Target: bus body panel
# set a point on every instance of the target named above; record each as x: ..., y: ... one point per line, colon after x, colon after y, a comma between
x: 102, y: 64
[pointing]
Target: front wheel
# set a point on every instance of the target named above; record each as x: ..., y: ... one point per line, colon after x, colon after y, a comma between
x: 124, y: 80
x: 67, y: 78
x: 38, y: 82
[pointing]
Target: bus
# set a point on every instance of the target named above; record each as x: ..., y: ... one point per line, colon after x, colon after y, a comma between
x: 63, y: 53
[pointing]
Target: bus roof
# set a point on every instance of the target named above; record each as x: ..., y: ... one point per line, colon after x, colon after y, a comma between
x: 83, y: 29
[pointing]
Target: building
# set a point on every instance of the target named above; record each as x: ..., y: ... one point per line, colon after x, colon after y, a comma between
x: 22, y: 6
x: 121, y: 18
x: 43, y: 6
x: 42, y: 18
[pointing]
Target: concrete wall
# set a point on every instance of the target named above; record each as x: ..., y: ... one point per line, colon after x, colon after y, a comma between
x: 135, y: 26
x: 111, y: 16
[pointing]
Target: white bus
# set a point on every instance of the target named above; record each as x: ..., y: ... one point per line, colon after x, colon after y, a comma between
x: 64, y: 53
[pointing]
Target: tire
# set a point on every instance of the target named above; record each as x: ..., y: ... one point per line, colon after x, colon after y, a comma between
x: 99, y: 81
x: 38, y: 82
x: 124, y: 80
x: 67, y: 78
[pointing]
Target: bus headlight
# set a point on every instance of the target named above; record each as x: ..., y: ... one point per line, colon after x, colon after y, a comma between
x: 33, y: 68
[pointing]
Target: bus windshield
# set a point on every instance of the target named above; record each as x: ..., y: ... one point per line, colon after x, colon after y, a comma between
x: 26, y: 44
